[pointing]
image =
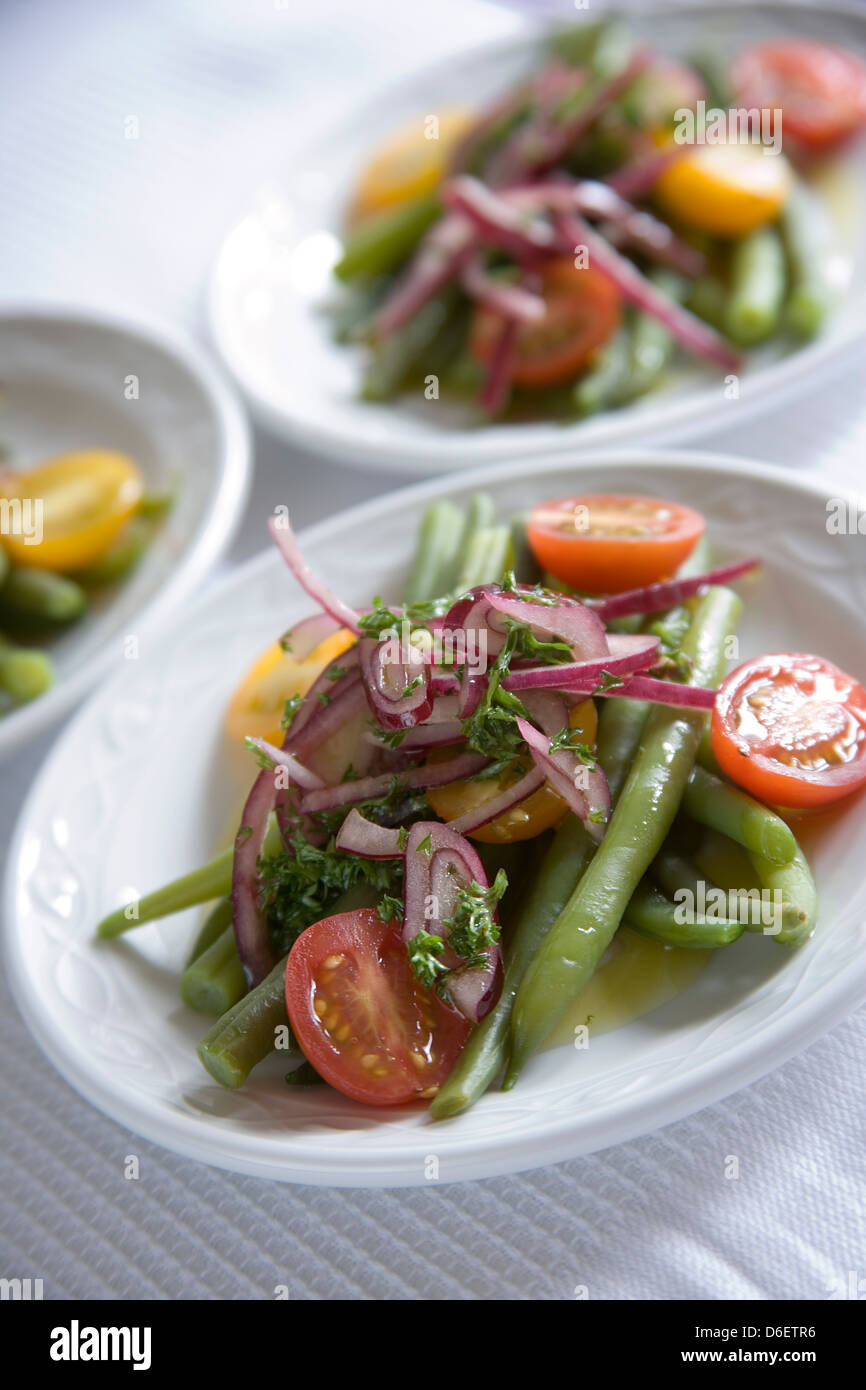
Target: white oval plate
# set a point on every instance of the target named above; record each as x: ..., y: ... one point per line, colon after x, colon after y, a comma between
x: 139, y: 789
x: 272, y: 277
x: 63, y: 383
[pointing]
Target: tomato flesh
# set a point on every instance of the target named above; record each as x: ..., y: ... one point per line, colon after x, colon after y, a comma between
x: 791, y: 729
x: 582, y: 311
x: 606, y: 543
x: 364, y: 1021
x: 821, y: 90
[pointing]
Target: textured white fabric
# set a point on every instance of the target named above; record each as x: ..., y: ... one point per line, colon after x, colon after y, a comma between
x: 216, y: 87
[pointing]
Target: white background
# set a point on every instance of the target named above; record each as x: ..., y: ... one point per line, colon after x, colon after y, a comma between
x: 218, y: 87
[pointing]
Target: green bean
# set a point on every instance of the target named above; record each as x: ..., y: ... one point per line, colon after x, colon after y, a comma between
x: 797, y: 896
x: 122, y: 556
x: 212, y: 880
x: 39, y: 596
x: 213, y: 926
x: 710, y: 801
x: 758, y: 278
x: 352, y: 315
x: 393, y: 360
x: 484, y: 1054
x: 155, y: 505
x: 304, y: 1075
x: 706, y: 757
x: 247, y: 1033
x: 203, y: 885
x: 620, y: 725
x: 384, y: 240
x: 526, y: 568
x: 488, y: 556
x: 809, y: 240
x: 652, y: 344
x: 434, y: 569
x: 653, y: 914
x: 4, y: 562
x: 606, y: 383
x: 708, y: 298
x: 724, y: 862
x: 558, y: 873
x: 670, y: 628
x: 713, y: 67
x: 644, y: 813
x: 216, y: 980
x: 25, y: 672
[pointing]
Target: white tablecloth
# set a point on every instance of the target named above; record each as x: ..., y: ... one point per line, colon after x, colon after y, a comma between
x: 217, y: 86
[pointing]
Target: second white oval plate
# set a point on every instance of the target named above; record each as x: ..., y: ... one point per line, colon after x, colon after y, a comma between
x: 272, y: 278
x: 139, y: 789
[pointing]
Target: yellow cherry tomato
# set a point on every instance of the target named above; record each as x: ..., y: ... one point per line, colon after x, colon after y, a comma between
x: 538, y: 812
x: 725, y: 190
x: 411, y: 162
x: 77, y: 502
x: 257, y: 706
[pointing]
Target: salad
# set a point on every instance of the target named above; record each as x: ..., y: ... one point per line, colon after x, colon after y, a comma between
x: 464, y: 799
x: 614, y: 213
x: 70, y: 529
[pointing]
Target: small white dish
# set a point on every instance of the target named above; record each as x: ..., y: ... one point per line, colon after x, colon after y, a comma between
x: 272, y: 278
x: 78, y: 379
x: 139, y: 789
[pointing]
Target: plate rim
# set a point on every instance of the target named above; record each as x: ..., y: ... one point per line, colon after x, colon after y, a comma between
x: 760, y: 389
x: 216, y: 527
x: 259, y: 1156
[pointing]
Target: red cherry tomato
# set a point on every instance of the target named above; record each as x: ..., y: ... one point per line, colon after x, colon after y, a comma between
x: 368, y: 1026
x: 791, y: 729
x: 821, y: 90
x: 603, y: 543
x: 583, y: 309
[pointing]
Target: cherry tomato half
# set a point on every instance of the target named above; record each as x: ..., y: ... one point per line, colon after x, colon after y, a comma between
x: 85, y: 499
x: 605, y: 543
x: 821, y: 90
x: 583, y: 310
x: 791, y: 729
x: 368, y: 1026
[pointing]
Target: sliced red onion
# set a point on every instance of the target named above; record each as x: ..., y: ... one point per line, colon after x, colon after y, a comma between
x: 497, y: 805
x: 567, y: 620
x: 654, y: 598
x: 309, y: 633
x: 472, y: 687
x: 498, y: 221
x: 438, y: 863
x: 496, y: 388
x: 656, y: 692
x: 543, y: 142
x: 641, y: 230
x: 637, y: 180
x: 446, y: 708
x: 690, y: 332
x: 337, y: 676
x: 357, y: 835
x: 385, y: 679
x: 369, y: 788
x: 510, y: 300
x: 433, y: 735
x: 248, y: 920
x: 325, y: 718
x: 299, y: 774
x: 444, y: 681
x: 443, y: 252
x: 628, y: 653
x: 564, y: 770
x: 287, y: 543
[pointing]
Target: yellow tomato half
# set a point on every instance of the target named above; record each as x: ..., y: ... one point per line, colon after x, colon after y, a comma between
x: 725, y: 190
x: 83, y: 501
x: 528, y: 818
x: 411, y: 162
x: 257, y: 706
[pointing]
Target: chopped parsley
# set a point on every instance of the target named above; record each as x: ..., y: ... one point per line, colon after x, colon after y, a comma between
x: 471, y: 931
x: 302, y: 884
x: 290, y: 709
